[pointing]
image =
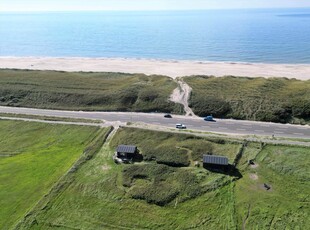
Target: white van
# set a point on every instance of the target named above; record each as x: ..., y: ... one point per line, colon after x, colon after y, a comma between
x: 180, y: 126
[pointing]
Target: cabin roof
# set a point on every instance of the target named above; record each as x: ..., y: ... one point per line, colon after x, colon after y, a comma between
x: 217, y: 160
x: 126, y: 149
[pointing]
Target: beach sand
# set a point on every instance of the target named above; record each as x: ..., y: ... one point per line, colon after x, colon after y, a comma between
x: 163, y: 67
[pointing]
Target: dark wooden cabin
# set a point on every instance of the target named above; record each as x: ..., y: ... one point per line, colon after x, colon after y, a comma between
x: 215, y: 163
x: 215, y: 160
x: 126, y: 151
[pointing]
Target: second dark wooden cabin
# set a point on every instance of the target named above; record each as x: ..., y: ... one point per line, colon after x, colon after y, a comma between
x: 215, y: 163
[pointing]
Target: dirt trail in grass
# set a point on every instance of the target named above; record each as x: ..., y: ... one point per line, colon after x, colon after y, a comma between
x: 181, y: 95
x: 115, y: 128
x: 246, y: 218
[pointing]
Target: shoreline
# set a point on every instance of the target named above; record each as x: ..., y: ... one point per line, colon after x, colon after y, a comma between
x: 171, y: 68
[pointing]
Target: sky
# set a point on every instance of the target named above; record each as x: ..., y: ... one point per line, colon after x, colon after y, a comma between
x: 65, y: 5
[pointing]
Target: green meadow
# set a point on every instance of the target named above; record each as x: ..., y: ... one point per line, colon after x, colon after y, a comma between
x: 33, y: 157
x: 286, y: 204
x: 169, y: 192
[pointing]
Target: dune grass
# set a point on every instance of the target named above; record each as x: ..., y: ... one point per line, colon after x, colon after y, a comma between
x: 87, y: 91
x: 261, y: 99
x: 33, y: 156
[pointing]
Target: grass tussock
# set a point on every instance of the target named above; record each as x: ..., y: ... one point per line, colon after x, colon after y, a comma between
x: 273, y: 99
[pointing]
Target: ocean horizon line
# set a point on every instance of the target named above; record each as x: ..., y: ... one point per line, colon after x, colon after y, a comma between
x: 148, y: 10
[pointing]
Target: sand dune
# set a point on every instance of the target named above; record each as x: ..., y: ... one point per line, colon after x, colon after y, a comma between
x: 164, y: 67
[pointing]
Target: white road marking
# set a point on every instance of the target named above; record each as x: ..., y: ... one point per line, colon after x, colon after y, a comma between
x: 299, y: 134
x: 258, y: 130
x: 241, y: 129
x: 278, y: 132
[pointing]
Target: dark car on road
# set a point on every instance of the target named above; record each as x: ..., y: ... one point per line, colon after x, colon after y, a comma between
x: 167, y: 115
x: 209, y: 118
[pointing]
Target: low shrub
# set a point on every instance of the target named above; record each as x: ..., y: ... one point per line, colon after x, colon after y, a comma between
x: 168, y: 155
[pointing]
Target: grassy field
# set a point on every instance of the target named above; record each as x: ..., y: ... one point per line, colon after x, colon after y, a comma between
x: 261, y: 99
x: 33, y: 156
x: 97, y: 197
x: 286, y: 204
x: 87, y: 91
x: 154, y: 195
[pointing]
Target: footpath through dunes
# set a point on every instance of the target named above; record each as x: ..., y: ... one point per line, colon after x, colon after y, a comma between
x: 171, y: 68
x: 181, y: 95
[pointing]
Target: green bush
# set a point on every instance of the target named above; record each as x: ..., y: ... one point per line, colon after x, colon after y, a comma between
x: 162, y: 183
x: 147, y: 171
x: 168, y: 155
x: 205, y: 106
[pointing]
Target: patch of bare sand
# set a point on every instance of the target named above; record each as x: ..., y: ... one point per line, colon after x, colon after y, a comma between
x: 163, y: 67
x: 253, y: 176
x: 254, y: 166
x: 181, y: 95
x: 105, y: 167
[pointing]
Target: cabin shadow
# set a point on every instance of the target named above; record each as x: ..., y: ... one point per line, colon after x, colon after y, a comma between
x: 229, y: 170
x: 138, y: 157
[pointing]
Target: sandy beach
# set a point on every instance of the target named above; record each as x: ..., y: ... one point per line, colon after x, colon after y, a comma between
x: 163, y: 67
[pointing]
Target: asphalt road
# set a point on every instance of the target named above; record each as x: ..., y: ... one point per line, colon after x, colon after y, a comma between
x: 225, y: 126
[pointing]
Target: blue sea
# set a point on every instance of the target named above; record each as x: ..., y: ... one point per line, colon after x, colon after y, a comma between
x: 264, y: 35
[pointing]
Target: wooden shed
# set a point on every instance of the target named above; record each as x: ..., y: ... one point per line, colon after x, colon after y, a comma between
x: 126, y: 151
x: 213, y: 160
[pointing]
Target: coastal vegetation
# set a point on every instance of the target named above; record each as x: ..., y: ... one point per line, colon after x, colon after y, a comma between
x: 33, y: 157
x: 155, y: 195
x: 87, y: 91
x: 261, y: 99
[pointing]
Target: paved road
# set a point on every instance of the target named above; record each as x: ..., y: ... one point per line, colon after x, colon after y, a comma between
x: 220, y: 126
